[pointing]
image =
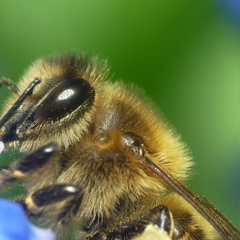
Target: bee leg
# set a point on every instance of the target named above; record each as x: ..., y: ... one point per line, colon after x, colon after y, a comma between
x: 50, y: 195
x: 22, y: 168
x: 10, y: 84
x: 68, y: 211
x: 34, y: 204
x: 159, y: 218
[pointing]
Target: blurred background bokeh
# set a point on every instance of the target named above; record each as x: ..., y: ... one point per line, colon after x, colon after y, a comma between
x: 184, y: 54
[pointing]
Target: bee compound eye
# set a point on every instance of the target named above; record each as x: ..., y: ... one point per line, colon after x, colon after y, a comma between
x: 64, y: 99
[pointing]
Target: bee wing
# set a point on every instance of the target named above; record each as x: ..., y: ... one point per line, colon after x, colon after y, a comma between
x: 224, y: 227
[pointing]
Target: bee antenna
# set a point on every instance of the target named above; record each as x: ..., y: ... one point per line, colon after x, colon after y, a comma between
x: 20, y: 100
x: 9, y: 84
x: 202, y: 205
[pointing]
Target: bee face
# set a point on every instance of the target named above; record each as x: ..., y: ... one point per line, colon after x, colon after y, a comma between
x: 108, y: 135
x: 70, y: 87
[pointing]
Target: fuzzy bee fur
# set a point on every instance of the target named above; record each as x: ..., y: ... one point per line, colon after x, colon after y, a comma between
x: 99, y: 158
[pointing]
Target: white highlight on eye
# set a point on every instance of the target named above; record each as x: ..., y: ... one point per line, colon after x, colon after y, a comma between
x: 65, y: 94
x: 70, y: 189
x: 1, y: 146
x: 48, y: 149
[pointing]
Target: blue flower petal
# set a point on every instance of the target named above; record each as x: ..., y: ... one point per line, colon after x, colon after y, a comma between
x: 14, y: 224
x: 41, y: 234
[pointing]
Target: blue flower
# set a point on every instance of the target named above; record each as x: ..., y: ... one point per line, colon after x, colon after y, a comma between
x: 14, y: 224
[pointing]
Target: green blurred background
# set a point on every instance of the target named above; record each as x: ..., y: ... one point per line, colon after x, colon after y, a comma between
x: 183, y: 54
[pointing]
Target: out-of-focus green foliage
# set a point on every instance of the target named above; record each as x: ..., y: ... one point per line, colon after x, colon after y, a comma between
x: 183, y: 54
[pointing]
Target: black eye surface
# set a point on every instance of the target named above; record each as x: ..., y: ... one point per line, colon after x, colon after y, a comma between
x: 64, y: 99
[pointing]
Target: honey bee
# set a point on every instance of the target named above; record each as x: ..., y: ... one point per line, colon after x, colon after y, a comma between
x: 100, y: 157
